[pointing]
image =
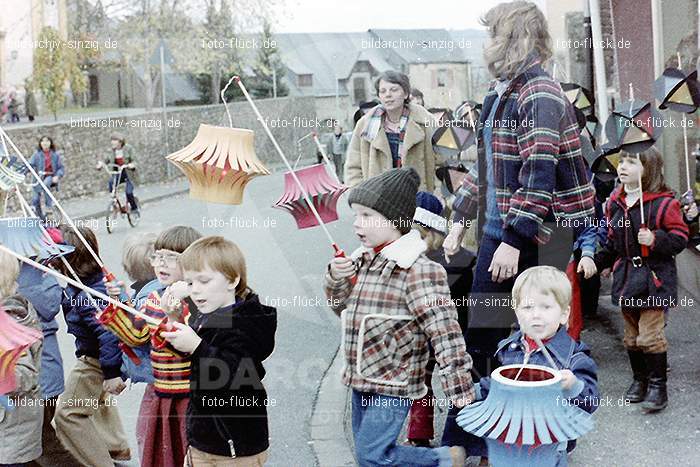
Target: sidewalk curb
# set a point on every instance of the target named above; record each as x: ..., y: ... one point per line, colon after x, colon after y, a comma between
x: 329, y: 442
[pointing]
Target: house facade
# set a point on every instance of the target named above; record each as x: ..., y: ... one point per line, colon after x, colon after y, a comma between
x: 19, y: 34
x: 339, y: 69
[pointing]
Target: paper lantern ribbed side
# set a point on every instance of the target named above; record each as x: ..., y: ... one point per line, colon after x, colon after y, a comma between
x: 219, y: 163
x: 525, y: 419
x: 323, y: 190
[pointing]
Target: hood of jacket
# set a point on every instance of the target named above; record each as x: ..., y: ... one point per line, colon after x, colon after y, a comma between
x: 618, y: 195
x: 404, y: 251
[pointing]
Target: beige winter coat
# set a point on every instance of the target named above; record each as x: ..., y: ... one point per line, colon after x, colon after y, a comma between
x: 366, y: 158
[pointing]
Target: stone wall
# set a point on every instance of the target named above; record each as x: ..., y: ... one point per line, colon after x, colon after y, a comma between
x: 85, y: 140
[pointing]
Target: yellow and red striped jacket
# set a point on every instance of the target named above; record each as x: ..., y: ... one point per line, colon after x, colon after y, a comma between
x: 171, y: 369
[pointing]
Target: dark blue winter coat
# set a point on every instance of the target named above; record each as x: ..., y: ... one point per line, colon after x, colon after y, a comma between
x: 566, y: 353
x: 91, y: 338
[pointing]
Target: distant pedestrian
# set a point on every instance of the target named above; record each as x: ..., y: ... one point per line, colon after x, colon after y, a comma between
x: 417, y: 97
x: 122, y: 154
x: 13, y: 107
x: 337, y: 148
x: 30, y: 107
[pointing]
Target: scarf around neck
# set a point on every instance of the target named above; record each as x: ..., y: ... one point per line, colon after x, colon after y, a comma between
x: 376, y: 123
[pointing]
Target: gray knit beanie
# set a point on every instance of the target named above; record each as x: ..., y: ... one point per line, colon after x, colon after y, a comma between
x: 392, y: 194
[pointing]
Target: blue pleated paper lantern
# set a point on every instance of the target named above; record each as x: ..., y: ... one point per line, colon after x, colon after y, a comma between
x: 524, y: 420
x: 24, y: 236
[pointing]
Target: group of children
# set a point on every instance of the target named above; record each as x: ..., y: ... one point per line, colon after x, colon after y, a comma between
x: 396, y: 296
x: 213, y: 336
x: 392, y: 295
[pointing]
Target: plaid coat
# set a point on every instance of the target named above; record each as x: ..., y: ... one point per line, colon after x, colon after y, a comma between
x: 539, y: 171
x: 401, y: 301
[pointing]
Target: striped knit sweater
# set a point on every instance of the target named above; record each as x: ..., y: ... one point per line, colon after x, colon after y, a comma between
x: 171, y: 369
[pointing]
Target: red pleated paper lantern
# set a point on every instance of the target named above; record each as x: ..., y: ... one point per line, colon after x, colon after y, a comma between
x: 323, y: 190
x: 14, y: 340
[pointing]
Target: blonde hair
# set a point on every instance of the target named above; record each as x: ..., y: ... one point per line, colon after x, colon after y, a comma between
x: 432, y: 238
x: 9, y: 271
x: 220, y: 255
x: 517, y: 29
x: 136, y: 256
x: 546, y: 279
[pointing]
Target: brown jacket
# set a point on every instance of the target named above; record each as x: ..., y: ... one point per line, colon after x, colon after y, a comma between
x: 400, y: 303
x: 365, y: 158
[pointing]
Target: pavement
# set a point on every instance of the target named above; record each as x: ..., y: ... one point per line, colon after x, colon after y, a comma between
x: 318, y: 425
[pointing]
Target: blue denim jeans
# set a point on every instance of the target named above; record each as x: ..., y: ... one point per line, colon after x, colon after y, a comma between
x: 129, y: 189
x: 38, y: 193
x: 376, y: 423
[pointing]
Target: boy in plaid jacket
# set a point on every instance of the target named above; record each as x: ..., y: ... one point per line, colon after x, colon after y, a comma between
x: 393, y: 301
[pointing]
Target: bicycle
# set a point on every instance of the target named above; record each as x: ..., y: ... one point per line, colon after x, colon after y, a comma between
x: 116, y: 207
x: 50, y: 215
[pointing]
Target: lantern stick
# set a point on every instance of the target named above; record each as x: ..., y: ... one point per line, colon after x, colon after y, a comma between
x: 685, y: 137
x: 642, y: 225
x: 238, y: 81
x: 65, y: 215
x: 324, y: 155
x: 687, y: 156
x: 83, y: 287
x: 546, y: 353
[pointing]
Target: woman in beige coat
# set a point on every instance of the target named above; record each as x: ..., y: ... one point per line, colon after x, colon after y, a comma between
x: 393, y: 134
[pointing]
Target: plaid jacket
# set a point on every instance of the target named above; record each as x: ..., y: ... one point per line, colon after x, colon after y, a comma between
x: 539, y: 171
x: 401, y: 301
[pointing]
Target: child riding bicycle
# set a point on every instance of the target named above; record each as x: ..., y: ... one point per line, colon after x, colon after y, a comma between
x: 121, y: 154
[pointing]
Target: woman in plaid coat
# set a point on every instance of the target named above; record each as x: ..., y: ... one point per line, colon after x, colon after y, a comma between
x: 392, y: 301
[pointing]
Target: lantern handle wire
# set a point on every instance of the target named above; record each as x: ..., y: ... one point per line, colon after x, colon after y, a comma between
x: 238, y: 81
x: 81, y: 286
x: 642, y: 225
x: 299, y: 141
x: 223, y: 99
x: 685, y: 137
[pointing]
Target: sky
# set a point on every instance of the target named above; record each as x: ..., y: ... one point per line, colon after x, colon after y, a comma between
x: 360, y: 15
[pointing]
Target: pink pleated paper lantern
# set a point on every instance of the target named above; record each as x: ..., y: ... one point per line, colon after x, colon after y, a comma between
x: 323, y: 190
x: 14, y: 340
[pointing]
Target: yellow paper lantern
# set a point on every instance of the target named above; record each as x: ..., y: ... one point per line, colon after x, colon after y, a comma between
x: 219, y: 163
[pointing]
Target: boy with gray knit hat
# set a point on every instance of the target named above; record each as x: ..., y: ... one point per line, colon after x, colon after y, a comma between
x: 393, y: 301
